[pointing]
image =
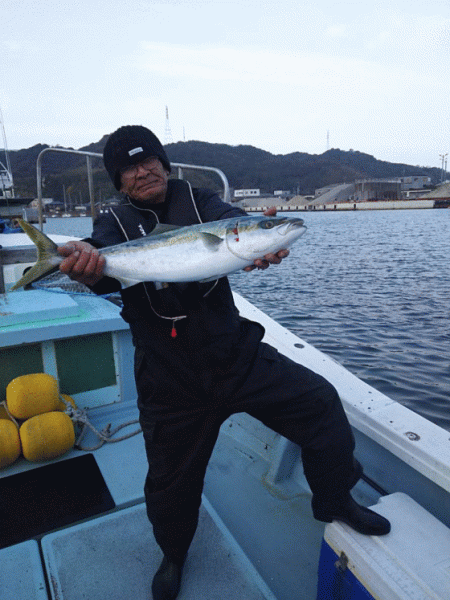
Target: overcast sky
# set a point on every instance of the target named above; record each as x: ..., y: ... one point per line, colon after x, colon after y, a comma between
x: 275, y: 74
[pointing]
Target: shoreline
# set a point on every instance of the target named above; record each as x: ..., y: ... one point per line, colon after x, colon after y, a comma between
x: 429, y: 203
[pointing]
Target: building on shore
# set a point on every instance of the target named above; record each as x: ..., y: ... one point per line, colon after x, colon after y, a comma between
x: 367, y: 194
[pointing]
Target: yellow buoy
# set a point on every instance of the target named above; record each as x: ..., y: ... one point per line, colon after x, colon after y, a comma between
x: 68, y: 399
x: 9, y: 443
x: 33, y: 394
x: 47, y: 436
x: 4, y: 412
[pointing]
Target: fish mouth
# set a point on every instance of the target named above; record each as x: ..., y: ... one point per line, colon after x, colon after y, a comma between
x: 289, y: 225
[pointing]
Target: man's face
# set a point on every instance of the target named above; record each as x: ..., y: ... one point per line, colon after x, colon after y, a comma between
x: 146, y: 181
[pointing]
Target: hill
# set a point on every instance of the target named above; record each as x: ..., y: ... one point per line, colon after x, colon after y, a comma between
x: 245, y: 167
x: 249, y: 167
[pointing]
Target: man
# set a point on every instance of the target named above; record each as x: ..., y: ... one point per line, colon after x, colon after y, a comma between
x: 197, y: 362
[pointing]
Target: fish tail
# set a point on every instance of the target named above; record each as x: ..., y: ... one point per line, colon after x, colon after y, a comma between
x: 47, y: 256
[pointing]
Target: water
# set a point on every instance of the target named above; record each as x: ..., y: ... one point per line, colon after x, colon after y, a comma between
x: 77, y: 226
x: 371, y: 289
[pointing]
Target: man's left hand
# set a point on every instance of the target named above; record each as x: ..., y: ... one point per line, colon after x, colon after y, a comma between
x: 268, y: 259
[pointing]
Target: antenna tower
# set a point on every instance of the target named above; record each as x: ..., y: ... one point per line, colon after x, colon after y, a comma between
x: 167, y: 133
x: 443, y: 158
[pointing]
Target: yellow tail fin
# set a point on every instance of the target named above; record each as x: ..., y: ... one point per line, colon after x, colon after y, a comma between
x: 48, y: 258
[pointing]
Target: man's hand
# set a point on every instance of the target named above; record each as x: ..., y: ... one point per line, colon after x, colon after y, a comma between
x: 268, y: 259
x: 82, y: 262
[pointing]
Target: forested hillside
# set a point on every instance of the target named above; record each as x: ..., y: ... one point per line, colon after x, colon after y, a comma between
x: 245, y: 167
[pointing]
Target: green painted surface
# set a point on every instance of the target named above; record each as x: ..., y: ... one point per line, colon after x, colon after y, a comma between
x: 16, y: 361
x: 85, y: 363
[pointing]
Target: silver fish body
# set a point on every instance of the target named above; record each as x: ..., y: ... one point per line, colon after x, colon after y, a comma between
x: 182, y: 254
x: 200, y: 252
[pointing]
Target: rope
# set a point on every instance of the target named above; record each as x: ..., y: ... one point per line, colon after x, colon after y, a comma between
x: 5, y: 406
x: 79, y: 417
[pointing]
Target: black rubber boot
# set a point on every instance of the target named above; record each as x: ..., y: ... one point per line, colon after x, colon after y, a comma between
x: 348, y: 511
x: 167, y: 580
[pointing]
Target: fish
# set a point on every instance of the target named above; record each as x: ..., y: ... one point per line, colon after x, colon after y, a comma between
x: 173, y: 254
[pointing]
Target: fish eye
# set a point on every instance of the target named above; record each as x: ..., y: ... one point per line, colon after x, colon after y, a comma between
x: 268, y: 224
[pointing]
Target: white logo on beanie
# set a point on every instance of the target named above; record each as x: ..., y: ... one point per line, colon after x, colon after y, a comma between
x: 135, y: 151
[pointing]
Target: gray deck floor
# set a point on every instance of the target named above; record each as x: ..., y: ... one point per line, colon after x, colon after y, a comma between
x: 115, y: 557
x: 255, y: 543
x: 21, y: 573
x: 278, y: 534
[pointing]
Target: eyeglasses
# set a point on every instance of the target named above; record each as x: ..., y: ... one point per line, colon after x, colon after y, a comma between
x: 149, y: 164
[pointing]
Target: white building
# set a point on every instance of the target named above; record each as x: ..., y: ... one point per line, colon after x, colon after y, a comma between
x: 247, y: 193
x: 415, y: 182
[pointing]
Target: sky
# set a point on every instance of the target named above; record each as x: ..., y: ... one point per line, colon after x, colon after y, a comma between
x: 284, y: 76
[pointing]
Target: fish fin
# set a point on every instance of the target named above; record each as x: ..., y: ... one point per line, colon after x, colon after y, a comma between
x: 47, y: 253
x: 210, y: 240
x: 218, y: 276
x: 162, y: 228
x: 125, y: 282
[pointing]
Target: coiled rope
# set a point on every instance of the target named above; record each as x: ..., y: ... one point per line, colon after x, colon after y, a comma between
x: 79, y: 417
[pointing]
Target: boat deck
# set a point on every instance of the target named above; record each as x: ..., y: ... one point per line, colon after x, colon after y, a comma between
x: 257, y: 537
x: 115, y: 556
x: 254, y: 542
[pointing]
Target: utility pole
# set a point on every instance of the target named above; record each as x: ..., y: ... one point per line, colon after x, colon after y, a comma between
x: 443, y: 158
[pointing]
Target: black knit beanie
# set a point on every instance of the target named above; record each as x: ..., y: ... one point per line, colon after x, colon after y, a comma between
x: 129, y: 145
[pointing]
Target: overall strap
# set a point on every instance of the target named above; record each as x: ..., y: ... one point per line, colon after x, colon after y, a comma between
x: 181, y: 206
x: 131, y: 221
x: 180, y: 209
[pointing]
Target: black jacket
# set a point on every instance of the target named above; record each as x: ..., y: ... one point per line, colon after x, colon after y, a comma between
x: 195, y: 324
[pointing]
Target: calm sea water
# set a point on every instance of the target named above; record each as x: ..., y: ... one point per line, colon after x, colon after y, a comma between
x: 371, y: 289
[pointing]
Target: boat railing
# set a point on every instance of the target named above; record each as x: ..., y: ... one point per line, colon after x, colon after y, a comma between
x: 181, y: 168
x: 15, y: 255
x: 24, y: 254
